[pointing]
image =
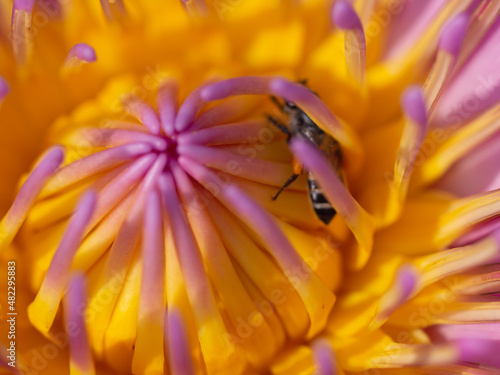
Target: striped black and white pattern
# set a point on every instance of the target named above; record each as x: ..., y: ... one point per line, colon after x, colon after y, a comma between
x: 320, y: 204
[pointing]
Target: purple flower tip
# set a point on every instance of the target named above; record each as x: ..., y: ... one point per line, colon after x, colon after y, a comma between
x: 344, y: 16
x: 407, y: 278
x: 324, y: 357
x: 77, y: 285
x: 85, y: 207
x: 84, y: 52
x: 278, y: 84
x: 26, y: 5
x: 56, y: 155
x: 414, y: 106
x: 453, y: 34
x: 4, y: 88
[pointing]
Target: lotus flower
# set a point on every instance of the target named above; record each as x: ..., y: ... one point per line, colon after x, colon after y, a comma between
x: 143, y: 237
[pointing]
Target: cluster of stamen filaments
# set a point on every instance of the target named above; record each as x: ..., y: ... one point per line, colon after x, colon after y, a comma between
x: 163, y: 206
x: 169, y: 199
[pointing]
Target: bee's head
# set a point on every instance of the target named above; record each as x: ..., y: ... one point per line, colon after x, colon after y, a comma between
x: 290, y: 106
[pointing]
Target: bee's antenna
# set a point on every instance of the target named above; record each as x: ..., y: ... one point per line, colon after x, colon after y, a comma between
x: 280, y: 126
x: 275, y: 100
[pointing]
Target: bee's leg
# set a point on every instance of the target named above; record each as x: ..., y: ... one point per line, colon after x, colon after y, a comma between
x: 303, y: 81
x: 277, y: 102
x: 297, y: 171
x: 280, y: 126
x: 288, y: 182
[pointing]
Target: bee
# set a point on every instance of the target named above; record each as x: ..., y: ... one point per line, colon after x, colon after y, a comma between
x: 301, y: 125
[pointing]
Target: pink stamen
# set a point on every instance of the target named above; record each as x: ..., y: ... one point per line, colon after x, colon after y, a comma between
x: 268, y: 230
x: 112, y: 8
x: 143, y: 112
x: 356, y: 218
x: 177, y: 344
x: 345, y: 17
x: 190, y: 108
x: 75, y: 302
x: 246, y: 85
x: 453, y: 34
x: 293, y: 92
x: 148, y: 352
x: 235, y: 133
x: 120, y: 186
x: 153, y: 263
x: 152, y: 176
x: 403, y: 287
x: 481, y: 21
x: 201, y: 297
x: 22, y: 38
x: 264, y: 171
x: 107, y: 137
x: 98, y: 241
x: 248, y: 210
x: 228, y: 111
x: 80, y: 54
x: 31, y: 188
x: 26, y: 5
x: 39, y: 220
x: 122, y: 250
x: 415, y: 110
x: 93, y: 164
x: 167, y: 103
x: 482, y: 230
x: 4, y: 89
x: 52, y: 288
x: 324, y: 357
x: 450, y: 43
x: 254, y: 261
x: 414, y: 107
x: 187, y: 249
x: 232, y: 292
x: 451, y: 332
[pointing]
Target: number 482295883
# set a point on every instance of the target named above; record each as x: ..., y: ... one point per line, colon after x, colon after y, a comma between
x: 11, y: 285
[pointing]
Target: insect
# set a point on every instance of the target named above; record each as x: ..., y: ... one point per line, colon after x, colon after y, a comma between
x: 301, y: 125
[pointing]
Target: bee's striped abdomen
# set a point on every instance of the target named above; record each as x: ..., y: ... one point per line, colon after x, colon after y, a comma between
x: 320, y: 204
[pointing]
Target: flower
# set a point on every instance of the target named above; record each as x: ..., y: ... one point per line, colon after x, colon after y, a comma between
x: 145, y: 238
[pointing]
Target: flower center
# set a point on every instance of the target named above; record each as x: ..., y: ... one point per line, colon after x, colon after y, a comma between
x: 179, y: 203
